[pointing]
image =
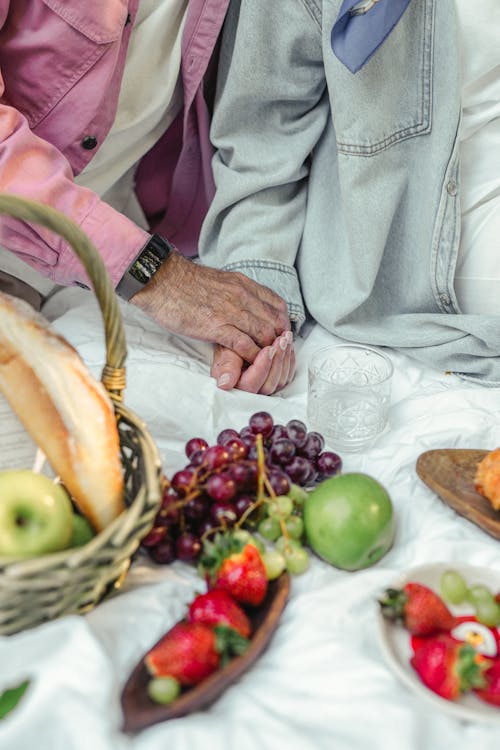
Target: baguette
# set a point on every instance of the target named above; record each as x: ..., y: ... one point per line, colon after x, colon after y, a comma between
x: 67, y: 412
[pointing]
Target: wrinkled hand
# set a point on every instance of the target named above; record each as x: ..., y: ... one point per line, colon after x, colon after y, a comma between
x: 271, y: 370
x: 221, y: 307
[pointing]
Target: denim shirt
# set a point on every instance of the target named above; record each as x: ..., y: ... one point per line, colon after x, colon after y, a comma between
x: 347, y: 182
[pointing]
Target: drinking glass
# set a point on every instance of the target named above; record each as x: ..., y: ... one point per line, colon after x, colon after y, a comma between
x: 349, y: 393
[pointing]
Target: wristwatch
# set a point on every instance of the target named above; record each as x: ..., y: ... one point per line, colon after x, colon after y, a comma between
x: 144, y: 267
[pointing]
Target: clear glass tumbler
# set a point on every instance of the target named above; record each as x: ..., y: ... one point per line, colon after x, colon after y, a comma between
x: 349, y: 394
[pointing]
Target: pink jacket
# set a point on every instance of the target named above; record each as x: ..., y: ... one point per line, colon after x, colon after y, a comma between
x: 61, y: 63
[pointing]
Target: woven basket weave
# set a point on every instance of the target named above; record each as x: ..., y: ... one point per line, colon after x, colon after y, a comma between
x: 74, y: 581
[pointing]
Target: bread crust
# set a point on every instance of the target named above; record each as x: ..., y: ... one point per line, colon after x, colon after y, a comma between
x: 66, y: 411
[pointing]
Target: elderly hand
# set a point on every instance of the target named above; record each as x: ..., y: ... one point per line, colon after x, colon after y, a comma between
x: 271, y: 370
x: 221, y: 307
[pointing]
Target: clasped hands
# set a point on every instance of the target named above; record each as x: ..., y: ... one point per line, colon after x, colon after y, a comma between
x: 247, y: 322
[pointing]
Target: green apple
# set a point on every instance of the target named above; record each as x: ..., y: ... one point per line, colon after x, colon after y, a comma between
x: 349, y: 521
x: 82, y: 531
x: 36, y: 515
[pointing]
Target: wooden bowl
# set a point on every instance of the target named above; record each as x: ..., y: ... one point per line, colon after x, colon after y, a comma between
x: 139, y: 711
x: 450, y: 473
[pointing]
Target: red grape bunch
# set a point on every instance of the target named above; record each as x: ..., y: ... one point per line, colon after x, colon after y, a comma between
x: 251, y: 480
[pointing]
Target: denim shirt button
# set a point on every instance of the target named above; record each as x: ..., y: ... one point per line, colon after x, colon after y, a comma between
x: 89, y: 142
x: 445, y: 299
x: 452, y: 187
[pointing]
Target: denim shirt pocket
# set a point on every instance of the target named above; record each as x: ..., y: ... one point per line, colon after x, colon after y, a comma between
x: 390, y: 98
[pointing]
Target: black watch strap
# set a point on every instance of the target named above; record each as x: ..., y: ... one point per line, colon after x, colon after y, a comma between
x: 144, y: 267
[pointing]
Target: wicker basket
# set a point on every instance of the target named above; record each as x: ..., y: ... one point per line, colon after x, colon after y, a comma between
x: 74, y: 581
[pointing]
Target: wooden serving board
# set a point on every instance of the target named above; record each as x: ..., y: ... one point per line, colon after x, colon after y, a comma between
x: 139, y: 711
x: 450, y: 473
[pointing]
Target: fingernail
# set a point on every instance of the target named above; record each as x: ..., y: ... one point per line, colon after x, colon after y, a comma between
x: 272, y: 352
x: 289, y: 336
x: 224, y: 379
x: 284, y: 342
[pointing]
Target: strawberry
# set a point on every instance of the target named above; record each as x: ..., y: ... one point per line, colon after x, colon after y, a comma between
x: 418, y: 608
x: 217, y: 607
x: 243, y: 575
x: 449, y: 667
x: 491, y: 691
x: 235, y: 566
x: 191, y: 651
x: 187, y: 652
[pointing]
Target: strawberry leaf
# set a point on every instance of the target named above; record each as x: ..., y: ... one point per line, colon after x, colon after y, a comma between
x: 469, y: 669
x: 229, y: 643
x: 216, y: 551
x: 392, y: 604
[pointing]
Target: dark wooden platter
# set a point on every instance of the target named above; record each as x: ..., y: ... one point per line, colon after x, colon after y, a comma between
x: 139, y: 711
x: 450, y: 473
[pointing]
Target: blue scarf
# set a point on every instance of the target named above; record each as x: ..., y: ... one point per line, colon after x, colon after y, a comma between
x: 361, y: 27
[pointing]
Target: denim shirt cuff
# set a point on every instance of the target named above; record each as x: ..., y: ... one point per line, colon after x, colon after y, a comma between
x: 279, y: 277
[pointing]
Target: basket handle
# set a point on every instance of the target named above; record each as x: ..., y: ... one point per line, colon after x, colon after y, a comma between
x: 113, y: 374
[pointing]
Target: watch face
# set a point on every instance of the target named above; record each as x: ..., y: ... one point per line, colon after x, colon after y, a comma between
x: 146, y: 265
x: 151, y: 258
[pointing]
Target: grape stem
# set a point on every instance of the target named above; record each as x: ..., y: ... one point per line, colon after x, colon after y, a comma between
x: 241, y: 520
x: 261, y: 466
x: 214, y: 530
x: 197, y: 486
x: 263, y: 481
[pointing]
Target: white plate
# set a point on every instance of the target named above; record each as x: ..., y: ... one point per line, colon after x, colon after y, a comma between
x: 395, y: 641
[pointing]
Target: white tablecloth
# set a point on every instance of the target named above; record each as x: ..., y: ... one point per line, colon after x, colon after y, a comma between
x: 323, y: 682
